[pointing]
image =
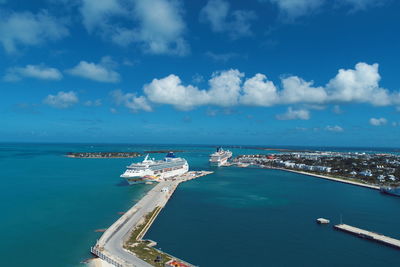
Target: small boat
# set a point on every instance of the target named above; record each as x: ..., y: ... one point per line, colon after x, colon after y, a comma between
x: 323, y: 221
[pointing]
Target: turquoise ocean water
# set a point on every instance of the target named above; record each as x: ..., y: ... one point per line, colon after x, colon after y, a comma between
x: 51, y: 205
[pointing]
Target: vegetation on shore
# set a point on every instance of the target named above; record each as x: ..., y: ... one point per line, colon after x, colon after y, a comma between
x: 162, y: 151
x: 141, y: 248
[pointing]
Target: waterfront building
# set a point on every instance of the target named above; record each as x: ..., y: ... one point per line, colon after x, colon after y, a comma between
x: 381, y: 178
x: 366, y: 173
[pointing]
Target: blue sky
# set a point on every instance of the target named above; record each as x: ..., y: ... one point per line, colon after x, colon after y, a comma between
x: 262, y: 72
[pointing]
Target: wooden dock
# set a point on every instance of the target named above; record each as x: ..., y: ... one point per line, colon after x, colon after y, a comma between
x: 369, y: 235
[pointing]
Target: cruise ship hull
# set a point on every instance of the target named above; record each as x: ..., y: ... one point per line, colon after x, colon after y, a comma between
x: 219, y: 163
x: 150, y: 178
x: 132, y: 181
x: 151, y: 170
x: 220, y: 157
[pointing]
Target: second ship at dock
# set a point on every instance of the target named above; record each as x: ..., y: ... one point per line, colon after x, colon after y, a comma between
x: 151, y: 170
x: 220, y: 157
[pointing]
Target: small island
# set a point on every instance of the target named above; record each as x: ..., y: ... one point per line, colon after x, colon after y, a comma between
x: 270, y: 149
x: 103, y: 155
x: 162, y: 151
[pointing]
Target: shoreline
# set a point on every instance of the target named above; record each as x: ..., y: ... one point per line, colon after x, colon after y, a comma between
x: 339, y: 180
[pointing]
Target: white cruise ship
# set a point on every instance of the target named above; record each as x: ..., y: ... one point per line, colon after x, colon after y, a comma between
x: 220, y: 157
x: 151, y: 170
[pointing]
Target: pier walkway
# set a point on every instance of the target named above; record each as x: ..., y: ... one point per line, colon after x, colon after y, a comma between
x: 369, y: 235
x: 110, y: 246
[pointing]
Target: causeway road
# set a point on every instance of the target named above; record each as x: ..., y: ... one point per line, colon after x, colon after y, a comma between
x: 114, y: 238
x: 110, y: 247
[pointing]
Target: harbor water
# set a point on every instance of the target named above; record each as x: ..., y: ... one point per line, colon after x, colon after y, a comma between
x: 51, y: 206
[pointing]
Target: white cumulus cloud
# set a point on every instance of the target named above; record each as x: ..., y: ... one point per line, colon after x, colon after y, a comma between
x: 230, y: 88
x: 28, y: 29
x: 225, y: 88
x: 130, y: 101
x: 258, y: 91
x: 170, y: 90
x: 296, y: 90
x: 224, y: 91
x: 359, y: 85
x: 156, y: 26
x: 294, y: 114
x: 96, y: 13
x: 161, y: 27
x: 100, y: 72
x: 62, y: 99
x: 236, y: 23
x: 377, y: 121
x: 32, y: 71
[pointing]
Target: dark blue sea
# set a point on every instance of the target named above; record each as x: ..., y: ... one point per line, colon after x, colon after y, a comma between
x: 51, y: 206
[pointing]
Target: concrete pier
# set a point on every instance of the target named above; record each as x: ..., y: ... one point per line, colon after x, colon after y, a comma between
x: 335, y: 179
x: 369, y: 235
x: 110, y: 247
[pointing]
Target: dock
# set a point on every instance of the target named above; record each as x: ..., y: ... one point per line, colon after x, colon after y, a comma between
x: 111, y: 247
x: 389, y: 241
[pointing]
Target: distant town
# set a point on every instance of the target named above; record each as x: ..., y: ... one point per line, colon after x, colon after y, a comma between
x: 375, y: 169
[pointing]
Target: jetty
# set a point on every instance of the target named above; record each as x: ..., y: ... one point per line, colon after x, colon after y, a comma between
x: 389, y: 241
x: 125, y: 235
x: 340, y: 180
x: 335, y: 179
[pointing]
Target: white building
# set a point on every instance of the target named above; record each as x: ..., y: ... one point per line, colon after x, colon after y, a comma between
x: 366, y: 173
